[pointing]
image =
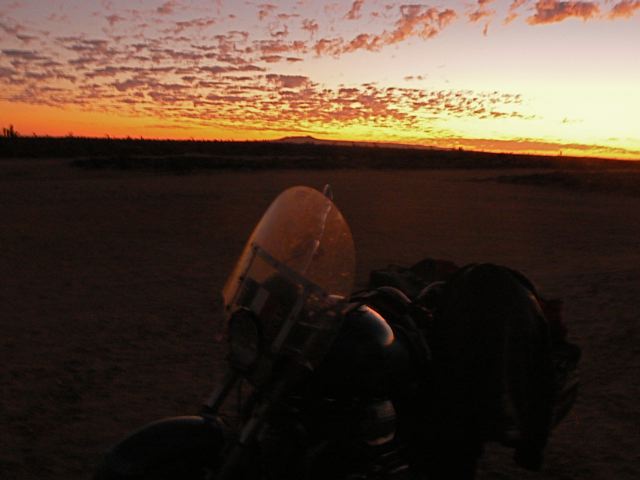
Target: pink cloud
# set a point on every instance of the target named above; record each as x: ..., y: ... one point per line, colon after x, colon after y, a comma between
x: 310, y: 26
x: 552, y: 11
x: 331, y: 46
x: 168, y: 7
x: 624, y: 9
x: 113, y: 19
x: 287, y: 16
x: 10, y: 29
x: 195, y: 23
x: 278, y: 30
x: 265, y: 10
x: 271, y: 47
x: 26, y: 38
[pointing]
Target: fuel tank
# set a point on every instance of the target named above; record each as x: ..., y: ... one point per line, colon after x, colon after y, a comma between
x: 366, y: 359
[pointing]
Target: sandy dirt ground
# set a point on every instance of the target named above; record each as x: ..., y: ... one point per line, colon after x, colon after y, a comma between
x: 109, y: 295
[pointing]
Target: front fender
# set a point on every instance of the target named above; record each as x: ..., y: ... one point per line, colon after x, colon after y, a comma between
x: 171, y: 448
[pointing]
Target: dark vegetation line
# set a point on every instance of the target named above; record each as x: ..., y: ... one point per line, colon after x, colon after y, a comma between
x: 621, y: 182
x: 190, y: 155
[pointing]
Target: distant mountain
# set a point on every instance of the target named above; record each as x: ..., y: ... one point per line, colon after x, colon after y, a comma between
x: 308, y: 139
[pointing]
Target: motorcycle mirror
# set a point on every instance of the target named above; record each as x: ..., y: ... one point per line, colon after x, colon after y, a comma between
x: 327, y: 191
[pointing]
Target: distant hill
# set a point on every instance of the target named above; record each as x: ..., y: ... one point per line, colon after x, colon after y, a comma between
x: 309, y: 140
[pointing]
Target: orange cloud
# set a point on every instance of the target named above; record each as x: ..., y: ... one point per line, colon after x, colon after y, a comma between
x: 552, y: 11
x: 355, y: 12
x: 624, y: 9
x: 420, y: 20
x: 482, y: 11
x: 512, y: 15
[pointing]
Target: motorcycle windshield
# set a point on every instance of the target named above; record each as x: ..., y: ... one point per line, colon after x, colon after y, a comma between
x: 303, y: 232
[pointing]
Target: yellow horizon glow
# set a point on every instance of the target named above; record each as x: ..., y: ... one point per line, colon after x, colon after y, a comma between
x: 52, y: 121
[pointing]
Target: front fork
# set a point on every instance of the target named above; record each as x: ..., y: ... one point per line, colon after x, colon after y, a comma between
x: 234, y: 452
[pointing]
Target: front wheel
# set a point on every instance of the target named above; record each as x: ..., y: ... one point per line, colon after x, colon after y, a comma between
x: 170, y: 449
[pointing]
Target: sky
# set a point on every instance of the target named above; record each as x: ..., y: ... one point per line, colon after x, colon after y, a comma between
x: 555, y: 77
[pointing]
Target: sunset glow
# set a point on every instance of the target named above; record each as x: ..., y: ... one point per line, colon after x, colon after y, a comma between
x: 556, y: 77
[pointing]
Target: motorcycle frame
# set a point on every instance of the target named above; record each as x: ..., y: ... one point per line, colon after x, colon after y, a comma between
x: 276, y: 389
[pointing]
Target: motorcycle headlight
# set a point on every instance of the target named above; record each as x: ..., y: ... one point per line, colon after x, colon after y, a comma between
x: 245, y: 338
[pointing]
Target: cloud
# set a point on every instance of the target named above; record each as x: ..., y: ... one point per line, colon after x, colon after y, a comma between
x: 363, y: 41
x: 195, y: 23
x: 278, y: 30
x: 23, y: 54
x: 271, y: 58
x: 132, y: 83
x: 624, y: 9
x: 479, y: 14
x: 420, y: 20
x: 7, y: 72
x: 415, y: 21
x: 113, y: 19
x: 10, y: 29
x: 26, y: 38
x: 552, y: 11
x: 274, y: 47
x: 92, y: 46
x: 218, y: 69
x: 481, y: 11
x: 310, y: 26
x: 287, y: 16
x: 516, y: 4
x: 109, y: 71
x: 331, y: 46
x: 513, y: 14
x: 265, y: 10
x: 354, y: 12
x: 168, y: 7
x: 288, y: 81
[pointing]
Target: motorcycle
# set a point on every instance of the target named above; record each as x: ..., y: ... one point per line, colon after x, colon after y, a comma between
x: 330, y: 385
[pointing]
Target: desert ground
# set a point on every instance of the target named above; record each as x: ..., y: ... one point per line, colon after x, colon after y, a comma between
x: 110, y: 295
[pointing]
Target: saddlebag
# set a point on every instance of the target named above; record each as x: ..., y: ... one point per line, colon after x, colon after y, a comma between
x: 502, y: 368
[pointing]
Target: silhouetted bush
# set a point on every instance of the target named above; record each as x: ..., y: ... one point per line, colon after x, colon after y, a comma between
x: 9, y: 132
